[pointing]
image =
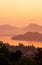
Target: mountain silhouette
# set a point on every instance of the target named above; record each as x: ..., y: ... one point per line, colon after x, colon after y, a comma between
x: 12, y: 30
x: 29, y: 36
x: 33, y: 28
x: 8, y: 30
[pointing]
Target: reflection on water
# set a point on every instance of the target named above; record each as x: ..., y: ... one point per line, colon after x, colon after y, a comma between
x: 7, y: 39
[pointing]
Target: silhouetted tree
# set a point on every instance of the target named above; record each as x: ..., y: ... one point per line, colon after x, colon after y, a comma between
x: 18, y: 55
x: 38, y: 57
x: 17, y: 58
x: 4, y: 55
x: 15, y: 55
x: 26, y: 61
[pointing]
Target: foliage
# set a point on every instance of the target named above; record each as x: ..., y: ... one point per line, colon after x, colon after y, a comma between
x: 16, y: 58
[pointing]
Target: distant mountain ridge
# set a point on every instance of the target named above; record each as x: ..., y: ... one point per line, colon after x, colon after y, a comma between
x: 33, y: 28
x: 12, y: 30
x: 28, y: 36
x: 8, y: 30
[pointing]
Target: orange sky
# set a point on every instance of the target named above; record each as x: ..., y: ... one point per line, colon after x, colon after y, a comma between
x: 20, y: 12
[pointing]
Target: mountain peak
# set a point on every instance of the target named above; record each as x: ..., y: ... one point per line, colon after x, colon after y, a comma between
x: 33, y: 25
x: 5, y: 25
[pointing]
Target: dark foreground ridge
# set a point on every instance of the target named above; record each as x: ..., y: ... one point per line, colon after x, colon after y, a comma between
x: 20, y: 55
x: 29, y: 36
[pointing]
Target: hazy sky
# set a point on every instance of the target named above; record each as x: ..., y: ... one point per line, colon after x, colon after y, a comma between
x: 20, y: 12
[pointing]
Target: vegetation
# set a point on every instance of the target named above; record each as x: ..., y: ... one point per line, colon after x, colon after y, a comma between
x: 8, y: 57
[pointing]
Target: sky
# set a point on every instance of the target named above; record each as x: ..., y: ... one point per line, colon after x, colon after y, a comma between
x: 20, y: 12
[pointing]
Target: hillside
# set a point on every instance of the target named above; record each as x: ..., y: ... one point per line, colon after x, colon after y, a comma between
x: 12, y: 30
x: 29, y: 36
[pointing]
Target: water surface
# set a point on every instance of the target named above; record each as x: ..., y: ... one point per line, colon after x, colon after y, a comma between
x: 7, y: 39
